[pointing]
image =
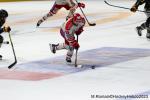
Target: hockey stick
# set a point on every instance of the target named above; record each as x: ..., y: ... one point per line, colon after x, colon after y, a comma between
x: 81, y: 66
x: 76, y: 55
x: 122, y: 7
x: 90, y: 24
x: 10, y: 66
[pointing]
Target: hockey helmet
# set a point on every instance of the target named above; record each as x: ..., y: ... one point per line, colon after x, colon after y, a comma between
x: 3, y: 13
x: 77, y: 18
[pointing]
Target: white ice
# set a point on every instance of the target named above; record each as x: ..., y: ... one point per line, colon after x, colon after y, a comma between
x: 31, y: 44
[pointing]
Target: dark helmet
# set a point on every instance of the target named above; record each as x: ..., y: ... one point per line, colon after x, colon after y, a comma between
x: 3, y: 13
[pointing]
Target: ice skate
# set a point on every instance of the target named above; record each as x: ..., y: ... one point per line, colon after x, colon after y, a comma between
x: 148, y: 35
x: 53, y: 48
x: 1, y: 57
x: 68, y: 60
x: 139, y: 30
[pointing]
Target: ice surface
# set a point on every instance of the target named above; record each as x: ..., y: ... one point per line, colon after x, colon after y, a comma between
x: 123, y: 55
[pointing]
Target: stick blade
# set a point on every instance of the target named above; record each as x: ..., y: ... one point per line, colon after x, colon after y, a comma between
x: 10, y: 66
x: 106, y: 2
x: 92, y: 24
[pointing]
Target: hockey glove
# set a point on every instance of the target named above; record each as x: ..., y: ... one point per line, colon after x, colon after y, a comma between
x: 75, y: 44
x: 79, y: 31
x: 134, y: 8
x: 6, y: 29
x: 81, y: 5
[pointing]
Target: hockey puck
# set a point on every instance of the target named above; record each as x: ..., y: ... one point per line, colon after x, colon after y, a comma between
x: 92, y: 24
x: 7, y: 42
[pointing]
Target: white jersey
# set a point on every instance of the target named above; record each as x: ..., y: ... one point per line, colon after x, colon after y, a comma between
x: 70, y: 29
x: 65, y: 2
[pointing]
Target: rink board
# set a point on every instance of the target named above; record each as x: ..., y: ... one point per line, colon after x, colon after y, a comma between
x: 54, y: 67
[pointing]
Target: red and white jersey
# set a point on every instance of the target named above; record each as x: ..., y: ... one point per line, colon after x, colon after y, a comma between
x: 69, y: 29
x: 65, y: 2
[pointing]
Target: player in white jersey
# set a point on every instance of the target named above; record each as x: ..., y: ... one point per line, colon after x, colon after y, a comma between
x: 67, y: 4
x: 73, y: 26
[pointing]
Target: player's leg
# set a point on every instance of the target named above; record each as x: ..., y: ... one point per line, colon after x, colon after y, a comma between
x: 1, y: 41
x: 53, y: 11
x: 148, y: 24
x: 1, y: 57
x: 44, y: 18
x: 59, y: 46
x: 143, y: 26
x: 148, y: 33
x: 53, y: 47
x: 140, y: 28
x: 69, y: 54
x: 71, y: 10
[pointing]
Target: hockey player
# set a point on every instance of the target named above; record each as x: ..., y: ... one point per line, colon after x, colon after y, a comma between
x: 67, y: 4
x: 73, y: 26
x: 145, y: 25
x: 3, y: 16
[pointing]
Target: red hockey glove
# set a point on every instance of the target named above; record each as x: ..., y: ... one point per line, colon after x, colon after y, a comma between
x: 79, y: 31
x: 75, y: 44
x: 81, y: 5
x: 6, y: 29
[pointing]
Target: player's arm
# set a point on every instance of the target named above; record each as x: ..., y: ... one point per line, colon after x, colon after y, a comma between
x: 74, y: 5
x: 139, y: 2
x: 71, y: 3
x: 79, y: 31
x: 136, y: 5
x: 71, y: 39
x: 1, y: 30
